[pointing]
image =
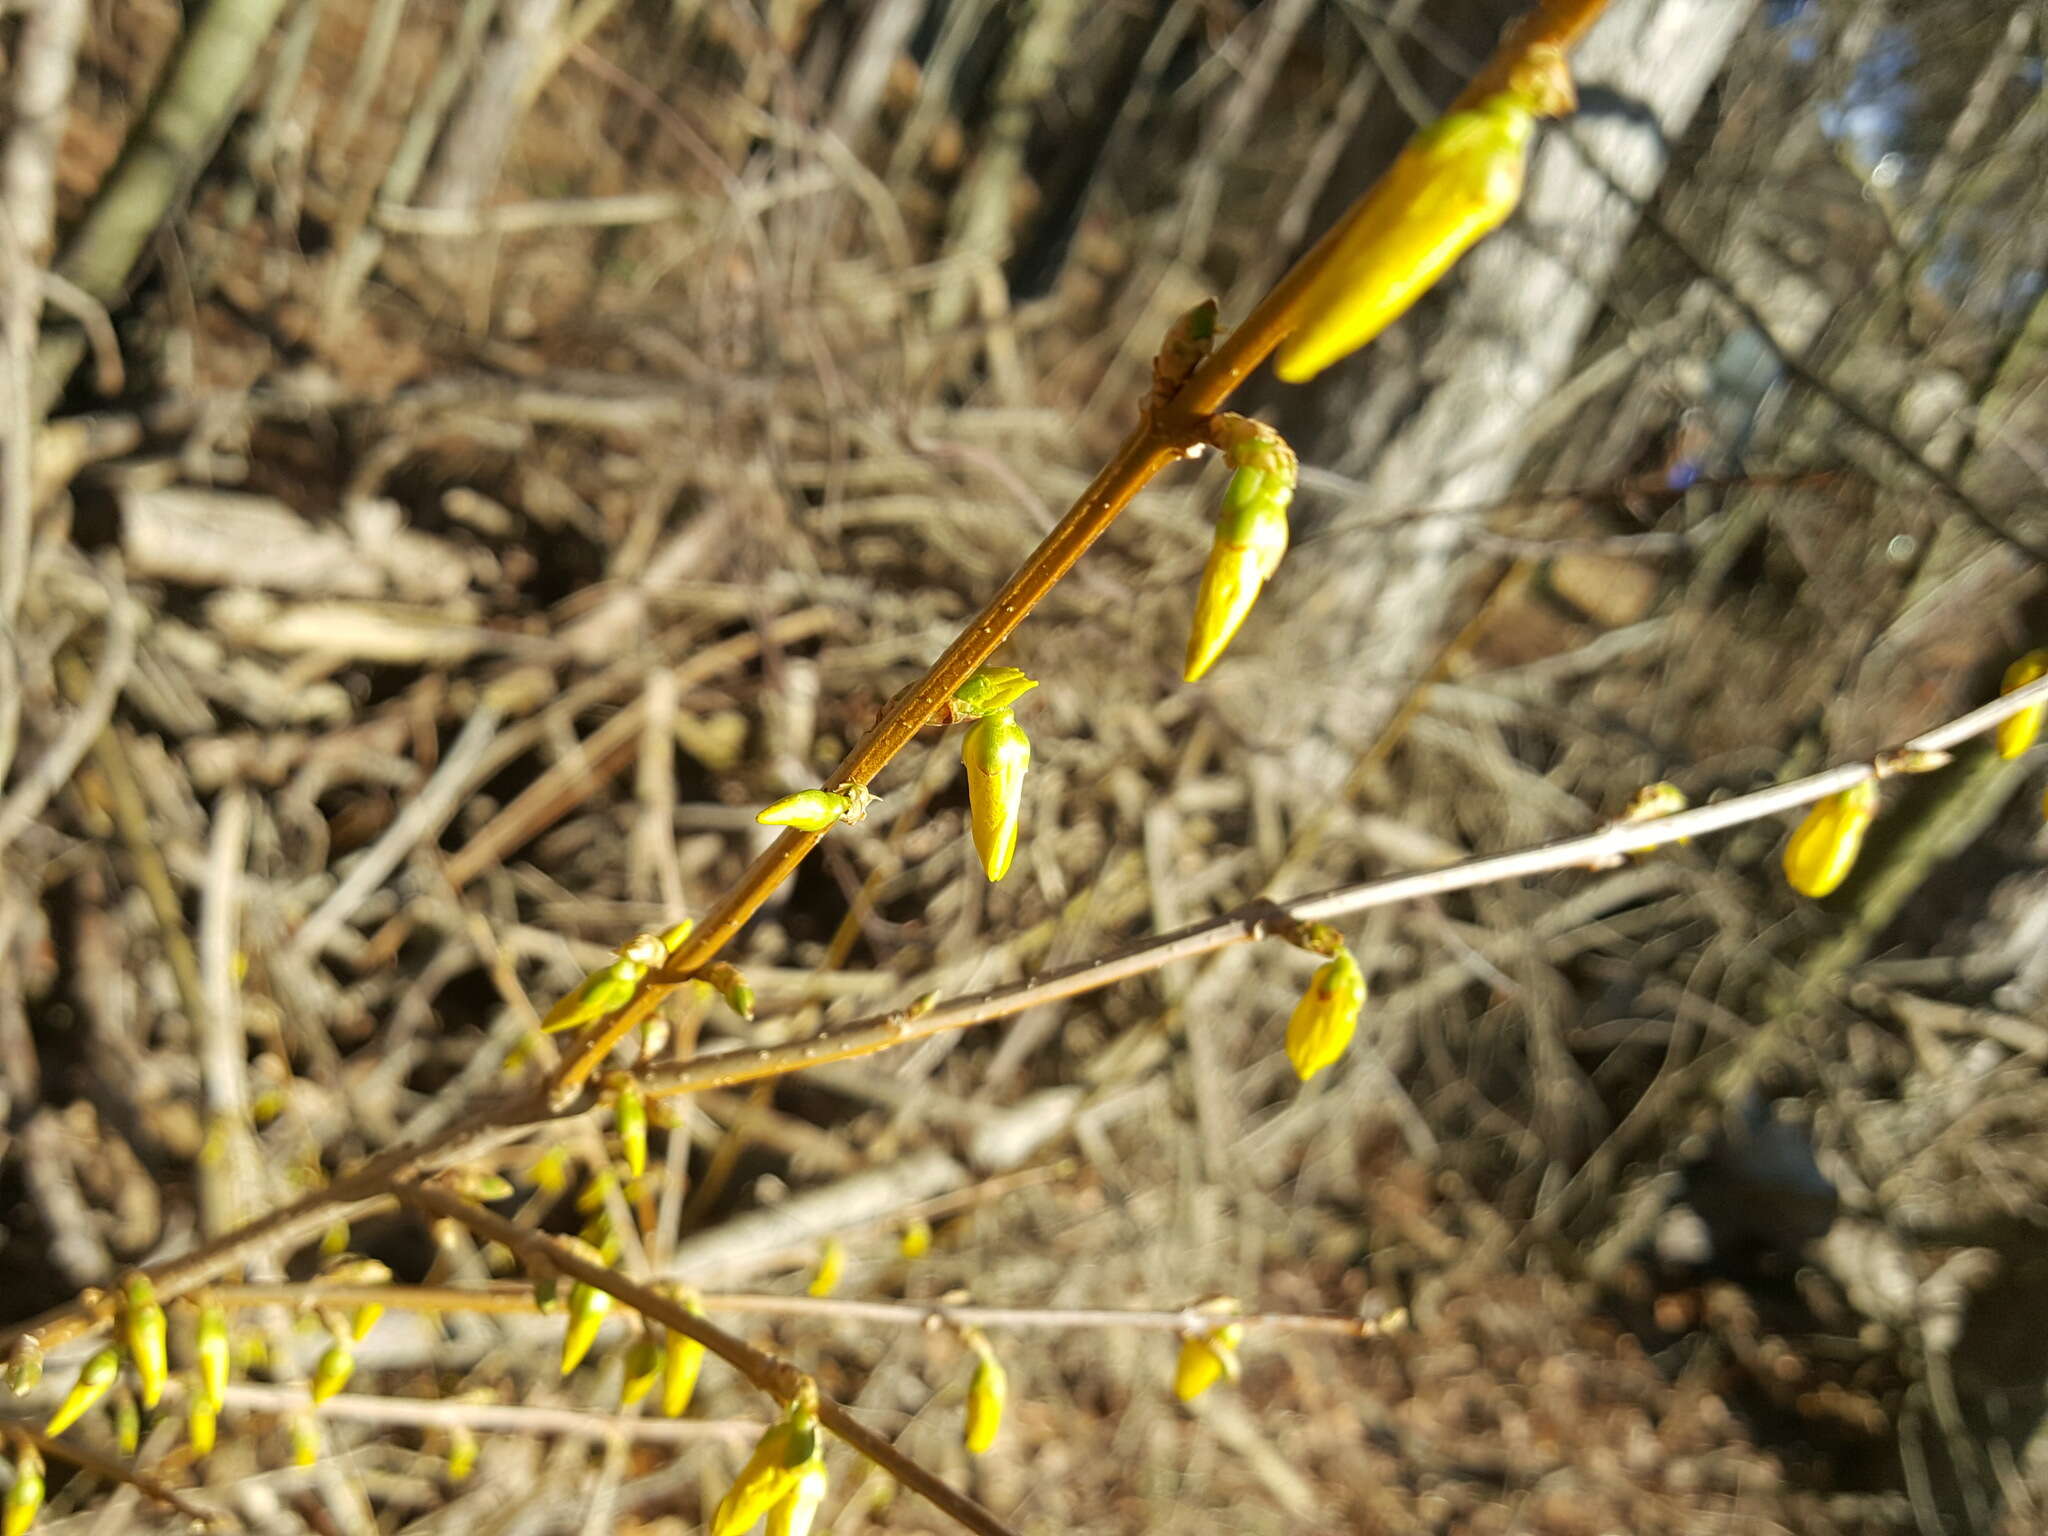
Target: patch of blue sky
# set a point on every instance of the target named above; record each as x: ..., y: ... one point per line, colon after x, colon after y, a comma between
x: 1872, y: 115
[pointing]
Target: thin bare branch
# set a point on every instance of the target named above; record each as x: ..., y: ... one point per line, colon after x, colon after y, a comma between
x: 746, y: 1064
x: 515, y: 1299
x: 778, y: 1378
x: 490, y: 1418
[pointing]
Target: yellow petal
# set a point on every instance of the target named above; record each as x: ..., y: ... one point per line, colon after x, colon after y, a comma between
x: 1820, y: 854
x: 997, y: 754
x: 1456, y: 181
x: 2018, y: 732
x: 986, y: 1396
x: 1327, y: 1015
x: 831, y: 1267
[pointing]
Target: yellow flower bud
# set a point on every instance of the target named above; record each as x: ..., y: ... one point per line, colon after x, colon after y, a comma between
x: 1457, y: 180
x: 201, y: 1422
x: 672, y: 938
x: 831, y: 1267
x: 725, y: 979
x: 812, y: 810
x: 643, y: 1365
x: 1206, y: 1360
x: 480, y: 1184
x: 354, y: 1269
x: 798, y: 1508
x: 1823, y: 850
x: 916, y: 1240
x: 143, y: 1330
x: 986, y: 1395
x: 462, y: 1449
x: 587, y: 1308
x: 683, y: 1359
x: 98, y: 1374
x: 335, y: 1239
x: 1251, y: 536
x: 305, y: 1440
x: 1652, y: 801
x: 549, y: 1173
x: 127, y: 1423
x: 609, y: 988
x: 2018, y: 732
x: 987, y: 691
x: 211, y: 1346
x: 331, y: 1374
x: 772, y: 1472
x: 25, y: 1498
x: 629, y: 1114
x: 997, y: 754
x: 1326, y: 1016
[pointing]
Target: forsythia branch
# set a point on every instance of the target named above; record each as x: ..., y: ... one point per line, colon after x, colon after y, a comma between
x: 781, y: 1380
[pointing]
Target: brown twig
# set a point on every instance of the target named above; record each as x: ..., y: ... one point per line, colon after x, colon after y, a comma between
x: 1162, y: 436
x: 498, y: 1418
x: 779, y: 1379
x: 511, y: 1298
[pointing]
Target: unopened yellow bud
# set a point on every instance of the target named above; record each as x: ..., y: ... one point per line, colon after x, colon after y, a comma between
x: 987, y: 691
x: 629, y: 1114
x: 811, y: 810
x: 587, y: 1308
x: 1823, y: 850
x: 143, y: 1330
x: 643, y: 1365
x: 1251, y: 536
x: 25, y: 1498
x: 305, y: 1440
x: 672, y: 938
x: 1205, y: 1360
x: 997, y: 754
x: 610, y: 988
x: 1456, y: 181
x: 335, y: 1239
x: 916, y: 1240
x: 462, y: 1449
x: 1653, y: 801
x: 986, y: 1395
x: 794, y: 1513
x: 210, y: 1343
x: 202, y: 1421
x: 2018, y: 732
x: 683, y: 1359
x: 725, y: 979
x: 1326, y: 1016
x: 94, y: 1378
x: 127, y: 1423
x: 480, y: 1184
x: 831, y: 1268
x: 549, y: 1173
x: 772, y: 1472
x: 354, y: 1269
x: 331, y: 1374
